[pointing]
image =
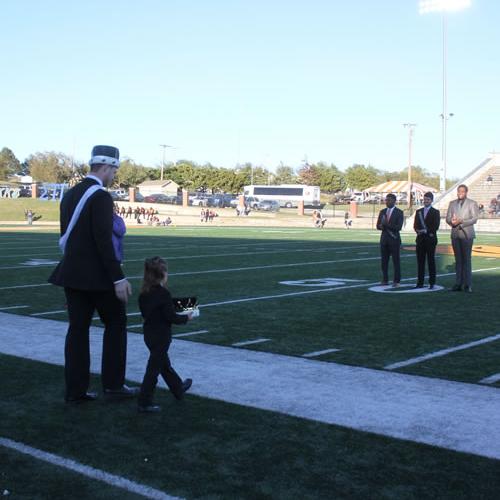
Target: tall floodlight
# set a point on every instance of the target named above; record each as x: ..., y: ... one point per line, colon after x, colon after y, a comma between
x: 411, y: 128
x: 443, y: 6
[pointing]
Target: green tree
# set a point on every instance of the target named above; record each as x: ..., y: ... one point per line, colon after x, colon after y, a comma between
x: 285, y: 175
x: 361, y: 177
x: 9, y: 164
x: 50, y: 167
x: 331, y: 179
x: 130, y: 173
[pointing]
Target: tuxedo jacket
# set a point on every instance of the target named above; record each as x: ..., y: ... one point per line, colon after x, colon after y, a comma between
x: 390, y: 231
x: 89, y: 261
x: 432, y: 222
x: 468, y: 212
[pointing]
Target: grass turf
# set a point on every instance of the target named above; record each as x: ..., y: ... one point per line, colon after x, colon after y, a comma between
x: 224, y: 265
x: 202, y: 448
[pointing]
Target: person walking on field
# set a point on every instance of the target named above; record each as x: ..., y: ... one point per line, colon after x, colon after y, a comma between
x: 157, y: 309
x: 92, y: 278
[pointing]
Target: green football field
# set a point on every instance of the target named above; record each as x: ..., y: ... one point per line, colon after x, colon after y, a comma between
x: 287, y: 291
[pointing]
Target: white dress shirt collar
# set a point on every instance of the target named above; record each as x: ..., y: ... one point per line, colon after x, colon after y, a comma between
x: 90, y: 176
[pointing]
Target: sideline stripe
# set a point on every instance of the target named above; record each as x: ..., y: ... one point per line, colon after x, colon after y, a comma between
x: 12, y: 307
x: 130, y: 326
x: 318, y: 353
x: 442, y: 352
x: 491, y: 379
x: 85, y: 470
x: 249, y: 342
x: 177, y: 335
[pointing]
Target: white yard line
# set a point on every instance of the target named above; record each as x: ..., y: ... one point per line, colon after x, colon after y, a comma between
x: 442, y: 352
x: 138, y: 325
x: 181, y: 257
x: 250, y: 268
x: 85, y: 470
x: 188, y: 334
x: 46, y: 313
x: 452, y: 415
x: 492, y: 379
x: 319, y: 353
x: 12, y: 307
x: 250, y: 342
x: 290, y: 294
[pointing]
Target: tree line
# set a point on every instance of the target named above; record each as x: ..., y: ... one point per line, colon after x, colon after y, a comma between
x: 58, y: 167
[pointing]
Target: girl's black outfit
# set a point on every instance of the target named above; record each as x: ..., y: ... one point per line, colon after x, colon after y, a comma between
x: 158, y: 312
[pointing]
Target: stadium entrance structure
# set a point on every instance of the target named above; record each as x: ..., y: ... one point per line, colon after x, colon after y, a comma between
x: 484, y: 187
x: 400, y: 189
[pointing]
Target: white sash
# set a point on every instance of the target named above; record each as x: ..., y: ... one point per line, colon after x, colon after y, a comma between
x: 76, y: 215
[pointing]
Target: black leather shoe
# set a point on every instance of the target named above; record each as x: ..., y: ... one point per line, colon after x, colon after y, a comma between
x: 123, y: 392
x: 431, y: 287
x: 88, y: 396
x: 456, y: 288
x: 187, y: 384
x: 468, y: 289
x: 149, y: 408
x: 418, y: 286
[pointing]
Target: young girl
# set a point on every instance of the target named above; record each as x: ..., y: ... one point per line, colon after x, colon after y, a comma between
x: 158, y: 312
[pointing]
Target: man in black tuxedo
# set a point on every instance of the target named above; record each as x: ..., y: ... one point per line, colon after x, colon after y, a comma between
x: 390, y: 221
x: 426, y: 225
x: 93, y: 279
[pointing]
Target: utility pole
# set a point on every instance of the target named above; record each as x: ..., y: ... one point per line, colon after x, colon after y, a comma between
x: 164, y: 146
x: 411, y: 128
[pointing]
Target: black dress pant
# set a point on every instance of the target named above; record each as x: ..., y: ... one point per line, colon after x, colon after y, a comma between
x: 390, y: 249
x: 462, y: 248
x: 81, y: 307
x: 426, y: 250
x: 158, y: 363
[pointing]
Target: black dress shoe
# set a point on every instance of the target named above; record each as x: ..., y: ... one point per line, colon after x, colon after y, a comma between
x: 123, y: 392
x: 187, y: 384
x: 456, y: 288
x: 418, y: 286
x: 149, y: 408
x: 88, y: 396
x: 468, y: 289
x: 431, y: 287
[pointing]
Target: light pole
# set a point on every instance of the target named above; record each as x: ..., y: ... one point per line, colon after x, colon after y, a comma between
x: 164, y: 146
x: 444, y: 6
x: 411, y: 128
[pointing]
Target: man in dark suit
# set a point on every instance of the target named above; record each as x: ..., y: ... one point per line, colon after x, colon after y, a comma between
x: 390, y: 221
x: 461, y: 216
x: 426, y: 225
x: 93, y: 279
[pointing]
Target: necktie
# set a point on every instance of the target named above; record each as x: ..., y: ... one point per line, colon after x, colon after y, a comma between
x: 388, y: 214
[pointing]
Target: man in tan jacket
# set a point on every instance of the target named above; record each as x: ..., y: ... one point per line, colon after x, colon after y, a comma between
x: 462, y: 215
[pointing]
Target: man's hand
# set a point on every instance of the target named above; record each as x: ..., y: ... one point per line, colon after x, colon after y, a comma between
x: 123, y: 290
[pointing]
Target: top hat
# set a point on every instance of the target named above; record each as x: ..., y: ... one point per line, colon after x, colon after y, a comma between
x: 105, y: 155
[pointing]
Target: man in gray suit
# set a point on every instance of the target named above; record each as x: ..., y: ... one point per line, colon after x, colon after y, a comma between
x: 462, y: 215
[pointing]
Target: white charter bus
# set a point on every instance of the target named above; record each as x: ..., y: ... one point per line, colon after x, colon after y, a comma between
x: 288, y: 195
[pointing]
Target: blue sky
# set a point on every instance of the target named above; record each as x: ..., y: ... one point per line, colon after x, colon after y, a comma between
x: 261, y: 81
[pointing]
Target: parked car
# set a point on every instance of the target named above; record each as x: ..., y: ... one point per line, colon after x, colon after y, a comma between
x: 160, y: 198
x: 200, y: 201
x: 252, y: 201
x: 268, y: 205
x: 221, y: 200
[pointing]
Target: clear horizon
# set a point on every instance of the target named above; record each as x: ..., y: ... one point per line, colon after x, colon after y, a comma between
x: 267, y: 82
